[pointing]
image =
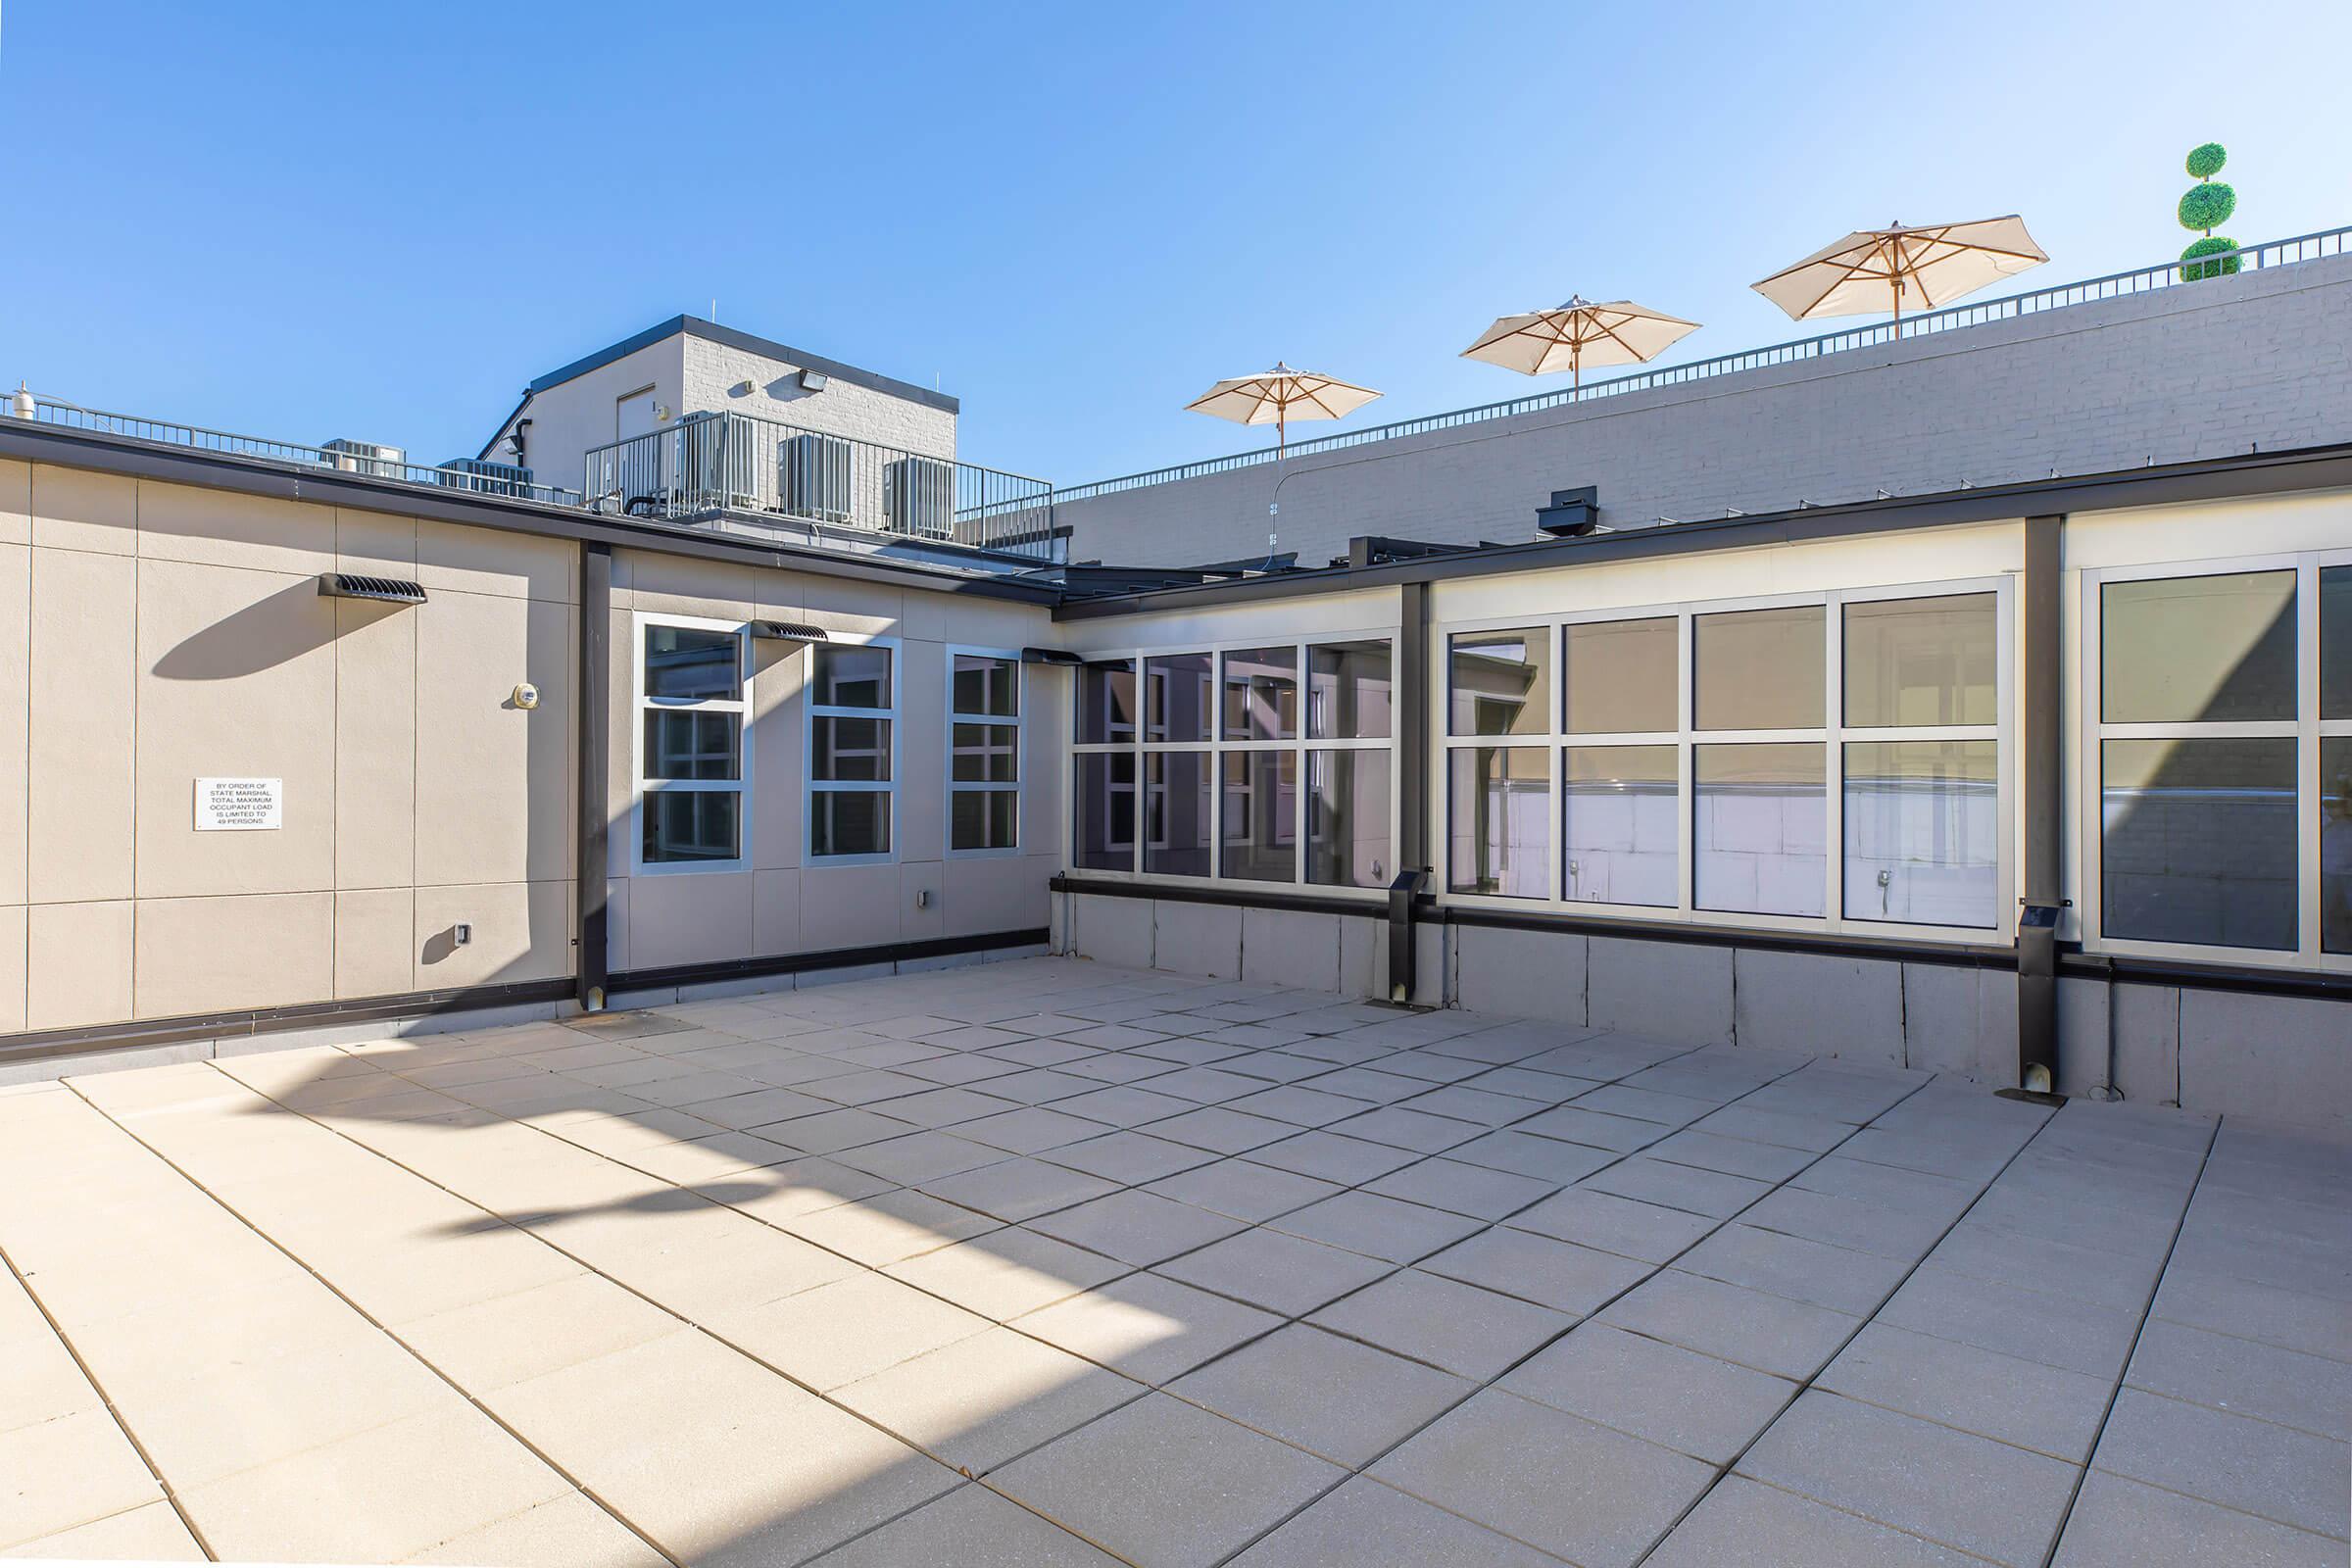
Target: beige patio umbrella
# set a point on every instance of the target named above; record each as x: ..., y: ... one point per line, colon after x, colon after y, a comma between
x: 1885, y: 269
x: 1278, y: 396
x: 1576, y: 334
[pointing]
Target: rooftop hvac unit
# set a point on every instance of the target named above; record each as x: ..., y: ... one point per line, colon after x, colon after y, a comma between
x: 484, y: 477
x: 920, y: 495
x: 365, y: 457
x: 817, y: 473
x: 718, y: 463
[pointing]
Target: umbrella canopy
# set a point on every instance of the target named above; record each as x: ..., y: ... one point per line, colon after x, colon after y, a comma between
x: 1278, y: 396
x: 1887, y: 268
x: 1576, y: 334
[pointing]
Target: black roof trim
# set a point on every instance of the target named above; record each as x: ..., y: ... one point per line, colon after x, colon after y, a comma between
x: 2321, y: 467
x: 220, y: 470
x: 750, y: 343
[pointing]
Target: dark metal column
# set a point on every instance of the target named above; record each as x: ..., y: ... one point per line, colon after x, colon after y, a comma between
x: 594, y: 763
x: 1412, y: 715
x: 2041, y: 735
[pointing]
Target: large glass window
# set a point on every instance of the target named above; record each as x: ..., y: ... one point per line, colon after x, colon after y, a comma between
x: 1760, y: 822
x: 1261, y: 835
x: 1176, y: 813
x: 692, y: 701
x: 1498, y: 821
x: 1103, y: 816
x: 2197, y: 841
x: 1761, y: 669
x: 1500, y: 682
x: 852, y: 743
x: 1232, y: 769
x: 1911, y: 662
x: 1105, y: 701
x: 2215, y: 649
x: 1261, y: 695
x: 1922, y: 832
x: 1347, y: 818
x: 1618, y: 676
x: 984, y: 752
x: 1623, y: 824
x: 2195, y: 746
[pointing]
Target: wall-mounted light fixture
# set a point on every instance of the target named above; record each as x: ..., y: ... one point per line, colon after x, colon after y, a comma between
x: 815, y: 380
x: 1049, y: 655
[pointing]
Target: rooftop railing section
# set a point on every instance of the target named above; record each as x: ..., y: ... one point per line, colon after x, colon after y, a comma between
x: 2008, y: 307
x: 340, y: 456
x: 722, y: 462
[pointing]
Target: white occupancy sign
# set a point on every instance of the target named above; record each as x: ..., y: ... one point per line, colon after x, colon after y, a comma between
x: 240, y: 804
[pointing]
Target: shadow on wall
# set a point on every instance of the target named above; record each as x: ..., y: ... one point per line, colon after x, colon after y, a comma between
x: 277, y: 630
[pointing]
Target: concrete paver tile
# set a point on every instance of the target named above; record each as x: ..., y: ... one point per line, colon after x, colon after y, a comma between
x: 1337, y: 1397
x: 1006, y: 1273
x: 970, y: 1526
x: 1742, y: 1524
x: 1802, y: 1271
x: 2118, y: 1523
x: 60, y: 1474
x: 1916, y: 1476
x: 979, y: 1401
x: 1558, y: 1274
x: 1613, y: 1224
x: 150, y: 1532
x: 1378, y: 1227
x: 1553, y: 1480
x: 2245, y: 1378
x: 2295, y: 1478
x: 1136, y: 1227
x: 850, y: 1329
x: 560, y: 1533
x: 1678, y: 1399
x: 1282, y: 1273
x: 2030, y: 1406
x: 1768, y: 1333
x: 1243, y: 1190
x: 1365, y: 1522
x: 2055, y: 1329
x: 1150, y: 1328
x: 1166, y: 1483
x: 1448, y: 1324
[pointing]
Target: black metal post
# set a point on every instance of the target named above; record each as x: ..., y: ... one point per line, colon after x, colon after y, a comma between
x: 2040, y: 733
x: 593, y: 763
x: 1412, y: 713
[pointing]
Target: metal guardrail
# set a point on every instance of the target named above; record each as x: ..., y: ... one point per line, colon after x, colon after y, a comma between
x: 2138, y: 280
x: 717, y: 462
x: 477, y: 478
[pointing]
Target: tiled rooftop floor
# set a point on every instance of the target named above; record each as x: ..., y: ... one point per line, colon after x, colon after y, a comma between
x: 1031, y: 1262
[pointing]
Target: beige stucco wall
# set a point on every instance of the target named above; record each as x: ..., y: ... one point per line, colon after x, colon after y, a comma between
x: 780, y: 905
x: 152, y: 634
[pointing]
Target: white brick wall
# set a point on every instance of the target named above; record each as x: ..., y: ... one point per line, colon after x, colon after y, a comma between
x: 2198, y: 371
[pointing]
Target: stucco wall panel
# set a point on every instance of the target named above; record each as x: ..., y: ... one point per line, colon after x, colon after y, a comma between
x: 15, y: 692
x: 224, y: 528
x: 1524, y: 974
x: 1111, y: 930
x: 207, y: 953
x: 376, y: 931
x: 1822, y: 1004
x: 2287, y: 1058
x: 237, y: 680
x: 78, y: 508
x: 77, y: 963
x: 375, y: 543
x: 1678, y: 992
x: 493, y: 802
x: 522, y: 931
x: 1291, y: 948
x: 15, y: 503
x: 455, y: 558
x: 1197, y: 939
x: 698, y: 918
x: 82, y: 708
x: 376, y: 746
x: 849, y: 907
x: 1007, y: 893
x: 11, y: 968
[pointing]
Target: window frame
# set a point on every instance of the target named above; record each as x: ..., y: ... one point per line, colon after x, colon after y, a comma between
x: 1216, y: 747
x: 1017, y: 723
x: 2307, y: 729
x: 640, y: 705
x: 1832, y: 736
x: 811, y: 786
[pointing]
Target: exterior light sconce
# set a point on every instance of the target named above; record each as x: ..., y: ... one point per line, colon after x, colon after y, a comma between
x: 815, y: 380
x: 1049, y: 655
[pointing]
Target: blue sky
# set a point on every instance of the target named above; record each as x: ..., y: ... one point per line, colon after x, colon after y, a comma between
x: 317, y: 221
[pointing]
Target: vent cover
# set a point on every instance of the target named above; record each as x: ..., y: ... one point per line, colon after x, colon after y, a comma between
x: 382, y: 590
x: 788, y: 631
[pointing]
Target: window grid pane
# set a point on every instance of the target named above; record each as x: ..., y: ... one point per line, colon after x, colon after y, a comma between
x: 847, y: 675
x: 1350, y: 689
x: 1102, y: 810
x: 1761, y: 669
x: 983, y: 819
x: 2198, y: 650
x: 1176, y: 697
x: 985, y: 753
x: 982, y: 684
x: 1624, y: 822
x: 1498, y: 821
x: 1760, y: 819
x: 1261, y: 816
x: 1347, y: 818
x: 1261, y: 695
x: 2198, y: 841
x: 1619, y: 676
x: 1500, y: 682
x: 1176, y: 813
x: 849, y: 821
x: 692, y: 744
x: 683, y: 827
x: 1922, y: 826
x: 1912, y: 661
x: 849, y: 750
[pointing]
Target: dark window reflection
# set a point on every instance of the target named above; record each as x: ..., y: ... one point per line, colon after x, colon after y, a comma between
x: 1176, y: 699
x: 1262, y: 694
x: 1500, y: 682
x: 848, y: 822
x: 2335, y: 843
x: 1261, y: 816
x: 683, y: 825
x: 1176, y: 813
x: 684, y: 662
x: 2198, y: 650
x: 1347, y: 818
x: 983, y: 819
x: 1498, y: 821
x: 1106, y: 702
x: 2198, y: 841
x: 851, y: 677
x: 1348, y: 692
x: 2336, y: 642
x: 1103, y: 812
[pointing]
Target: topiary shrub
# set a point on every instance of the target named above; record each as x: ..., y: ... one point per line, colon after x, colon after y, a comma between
x: 2206, y: 206
x: 2210, y: 245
